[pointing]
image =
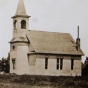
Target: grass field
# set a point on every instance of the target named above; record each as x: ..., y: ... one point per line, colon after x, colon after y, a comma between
x: 33, y: 81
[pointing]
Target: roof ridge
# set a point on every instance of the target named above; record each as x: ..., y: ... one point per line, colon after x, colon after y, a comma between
x: 48, y: 31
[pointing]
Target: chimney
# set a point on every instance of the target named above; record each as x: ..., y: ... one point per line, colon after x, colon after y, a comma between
x: 78, y: 41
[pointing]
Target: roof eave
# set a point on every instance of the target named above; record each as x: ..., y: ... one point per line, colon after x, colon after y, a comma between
x: 54, y: 53
x: 26, y: 16
x: 19, y: 41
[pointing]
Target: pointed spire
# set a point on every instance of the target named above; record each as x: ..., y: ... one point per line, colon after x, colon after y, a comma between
x: 21, y: 12
x: 21, y: 8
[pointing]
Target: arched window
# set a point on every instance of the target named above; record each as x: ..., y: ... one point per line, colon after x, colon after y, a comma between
x: 23, y: 24
x: 15, y: 24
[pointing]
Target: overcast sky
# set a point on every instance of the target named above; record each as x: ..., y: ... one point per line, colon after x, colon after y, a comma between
x: 46, y: 15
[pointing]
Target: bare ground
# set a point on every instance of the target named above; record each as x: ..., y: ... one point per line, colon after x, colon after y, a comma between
x: 17, y: 85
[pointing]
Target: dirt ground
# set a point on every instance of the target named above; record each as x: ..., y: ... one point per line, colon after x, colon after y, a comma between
x: 17, y: 85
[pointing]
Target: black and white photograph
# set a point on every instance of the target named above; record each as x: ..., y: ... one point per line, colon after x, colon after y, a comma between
x: 43, y: 43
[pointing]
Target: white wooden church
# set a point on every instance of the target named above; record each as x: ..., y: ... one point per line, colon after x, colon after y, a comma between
x: 41, y: 52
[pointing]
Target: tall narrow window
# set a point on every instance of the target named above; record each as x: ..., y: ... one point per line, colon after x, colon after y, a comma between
x: 72, y: 64
x: 61, y: 63
x: 15, y: 24
x: 23, y: 24
x: 57, y: 63
x: 13, y: 62
x: 46, y: 63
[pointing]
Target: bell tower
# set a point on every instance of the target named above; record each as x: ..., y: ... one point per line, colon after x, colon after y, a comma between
x: 20, y: 21
x: 19, y: 43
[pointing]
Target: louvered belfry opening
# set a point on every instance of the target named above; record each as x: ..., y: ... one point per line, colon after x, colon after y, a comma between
x: 23, y: 24
x: 15, y: 24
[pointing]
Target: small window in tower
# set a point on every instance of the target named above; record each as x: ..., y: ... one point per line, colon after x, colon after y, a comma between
x: 13, y: 47
x: 23, y: 24
x: 15, y: 24
x: 13, y: 62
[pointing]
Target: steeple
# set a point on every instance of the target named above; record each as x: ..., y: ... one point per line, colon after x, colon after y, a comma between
x: 20, y: 21
x: 21, y: 10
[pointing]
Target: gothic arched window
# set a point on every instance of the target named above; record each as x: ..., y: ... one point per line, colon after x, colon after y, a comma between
x: 23, y: 24
x: 15, y: 24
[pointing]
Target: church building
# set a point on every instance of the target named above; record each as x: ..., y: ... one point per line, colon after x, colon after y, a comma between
x: 40, y: 52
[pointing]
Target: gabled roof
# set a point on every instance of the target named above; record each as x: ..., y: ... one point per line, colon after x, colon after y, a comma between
x: 52, y: 42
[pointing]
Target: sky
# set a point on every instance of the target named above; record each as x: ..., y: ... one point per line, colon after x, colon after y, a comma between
x: 46, y: 15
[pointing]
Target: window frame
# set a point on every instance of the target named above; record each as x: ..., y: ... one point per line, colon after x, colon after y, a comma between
x: 61, y: 63
x: 46, y: 63
x: 57, y: 63
x: 72, y: 63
